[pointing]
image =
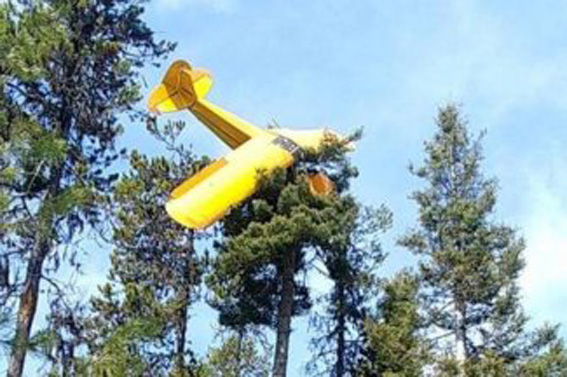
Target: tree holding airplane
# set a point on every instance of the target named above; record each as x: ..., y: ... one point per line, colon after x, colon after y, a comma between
x: 270, y: 242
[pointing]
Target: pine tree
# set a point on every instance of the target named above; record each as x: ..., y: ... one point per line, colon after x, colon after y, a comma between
x: 264, y: 251
x: 155, y: 272
x: 140, y: 317
x: 67, y: 69
x: 393, y: 343
x: 469, y: 264
x: 350, y: 258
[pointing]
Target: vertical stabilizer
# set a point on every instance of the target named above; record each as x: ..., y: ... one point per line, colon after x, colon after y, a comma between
x: 185, y: 88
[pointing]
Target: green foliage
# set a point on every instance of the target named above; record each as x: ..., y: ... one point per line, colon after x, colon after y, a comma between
x: 351, y: 257
x: 116, y: 357
x: 248, y: 262
x: 155, y: 270
x: 550, y: 363
x: 57, y: 132
x: 28, y: 38
x: 137, y: 325
x: 238, y: 356
x: 393, y: 344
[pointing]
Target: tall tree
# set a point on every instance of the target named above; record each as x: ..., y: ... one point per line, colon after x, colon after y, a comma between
x: 469, y: 263
x: 155, y: 270
x: 68, y: 68
x: 265, y: 246
x: 351, y: 258
x: 139, y: 320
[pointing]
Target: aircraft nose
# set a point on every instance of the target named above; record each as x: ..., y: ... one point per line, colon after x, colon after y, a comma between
x: 350, y: 146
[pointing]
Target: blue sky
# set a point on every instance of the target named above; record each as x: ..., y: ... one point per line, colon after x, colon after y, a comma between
x: 388, y: 66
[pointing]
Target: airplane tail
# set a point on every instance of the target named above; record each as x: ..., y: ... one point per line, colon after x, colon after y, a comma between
x: 181, y: 87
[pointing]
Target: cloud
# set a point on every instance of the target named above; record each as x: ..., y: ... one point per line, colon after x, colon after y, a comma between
x: 545, y: 276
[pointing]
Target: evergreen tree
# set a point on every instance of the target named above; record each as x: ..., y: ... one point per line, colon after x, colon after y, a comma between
x: 155, y: 272
x: 67, y: 68
x: 393, y: 344
x: 351, y: 256
x: 264, y: 251
x: 138, y: 322
x: 469, y: 264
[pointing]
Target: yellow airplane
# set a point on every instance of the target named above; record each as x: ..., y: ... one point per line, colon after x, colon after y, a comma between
x: 209, y: 194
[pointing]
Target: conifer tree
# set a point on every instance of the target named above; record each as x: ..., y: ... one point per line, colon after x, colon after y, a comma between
x: 469, y: 263
x: 67, y: 69
x: 155, y: 272
x: 139, y: 321
x: 351, y: 257
x: 257, y: 275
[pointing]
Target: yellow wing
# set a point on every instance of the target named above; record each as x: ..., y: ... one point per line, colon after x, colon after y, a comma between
x: 185, y: 88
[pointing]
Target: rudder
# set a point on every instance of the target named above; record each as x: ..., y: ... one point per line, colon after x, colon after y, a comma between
x: 181, y: 87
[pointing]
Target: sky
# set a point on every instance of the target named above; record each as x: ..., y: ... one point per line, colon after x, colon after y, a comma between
x: 388, y: 66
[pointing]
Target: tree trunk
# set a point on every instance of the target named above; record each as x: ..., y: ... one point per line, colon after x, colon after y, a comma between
x: 184, y: 295
x: 30, y: 293
x: 181, y: 333
x: 27, y: 308
x: 341, y: 330
x: 285, y: 312
x: 239, y: 351
x: 461, y: 336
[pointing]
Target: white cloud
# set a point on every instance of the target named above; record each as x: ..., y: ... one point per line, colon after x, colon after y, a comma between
x: 545, y: 276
